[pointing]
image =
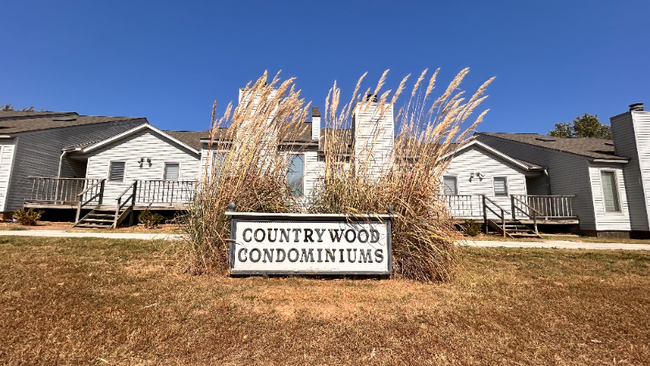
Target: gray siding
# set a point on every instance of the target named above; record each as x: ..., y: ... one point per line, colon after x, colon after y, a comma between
x: 7, y: 150
x: 537, y: 185
x: 38, y: 153
x: 625, y: 144
x: 568, y: 173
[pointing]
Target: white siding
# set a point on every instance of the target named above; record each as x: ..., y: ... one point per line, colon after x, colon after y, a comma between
x: 625, y: 144
x: 568, y: 173
x: 476, y: 159
x: 642, y: 133
x: 7, y: 149
x: 313, y: 170
x: 130, y: 149
x: 373, y: 134
x: 609, y: 221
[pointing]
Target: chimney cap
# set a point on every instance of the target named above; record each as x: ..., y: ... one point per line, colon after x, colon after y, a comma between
x: 315, y: 112
x: 638, y: 107
x: 371, y: 98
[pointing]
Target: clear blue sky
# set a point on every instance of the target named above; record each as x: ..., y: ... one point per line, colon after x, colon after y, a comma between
x: 168, y: 61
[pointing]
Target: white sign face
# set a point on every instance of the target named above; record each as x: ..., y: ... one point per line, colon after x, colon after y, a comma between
x: 310, y: 247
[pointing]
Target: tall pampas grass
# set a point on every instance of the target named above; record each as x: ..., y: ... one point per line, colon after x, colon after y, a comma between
x: 251, y: 143
x: 248, y: 161
x: 360, y: 179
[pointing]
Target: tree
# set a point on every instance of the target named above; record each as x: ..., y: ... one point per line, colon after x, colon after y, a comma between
x: 585, y: 126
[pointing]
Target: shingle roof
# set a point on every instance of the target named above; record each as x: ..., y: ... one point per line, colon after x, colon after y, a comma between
x: 190, y: 138
x: 589, y: 147
x: 15, y: 122
x: 31, y: 114
x: 290, y: 132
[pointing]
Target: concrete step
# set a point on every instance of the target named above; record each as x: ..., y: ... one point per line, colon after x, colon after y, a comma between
x: 91, y: 226
x: 88, y: 219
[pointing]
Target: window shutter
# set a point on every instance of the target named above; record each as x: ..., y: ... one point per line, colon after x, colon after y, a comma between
x: 610, y: 191
x: 450, y: 186
x: 116, y: 173
x: 171, y: 171
x: 500, y: 186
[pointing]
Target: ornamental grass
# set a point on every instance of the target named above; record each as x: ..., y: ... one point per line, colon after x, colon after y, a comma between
x: 366, y: 180
x: 249, y: 161
x: 247, y: 164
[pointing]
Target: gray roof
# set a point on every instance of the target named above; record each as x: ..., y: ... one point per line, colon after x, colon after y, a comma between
x: 190, y: 138
x: 31, y: 114
x: 16, y: 122
x: 589, y: 147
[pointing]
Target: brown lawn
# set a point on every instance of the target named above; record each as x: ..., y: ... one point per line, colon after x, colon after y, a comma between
x: 108, y: 302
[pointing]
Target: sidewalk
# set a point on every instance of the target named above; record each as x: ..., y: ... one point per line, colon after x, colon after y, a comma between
x: 559, y: 244
x: 107, y: 235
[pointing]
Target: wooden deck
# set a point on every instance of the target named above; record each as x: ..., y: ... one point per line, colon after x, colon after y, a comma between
x: 80, y: 193
x: 528, y: 209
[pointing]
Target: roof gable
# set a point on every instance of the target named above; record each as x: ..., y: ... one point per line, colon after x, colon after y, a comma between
x: 143, y: 127
x: 477, y: 144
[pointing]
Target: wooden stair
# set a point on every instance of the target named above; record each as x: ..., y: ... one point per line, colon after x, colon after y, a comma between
x: 103, y: 217
x: 514, y: 229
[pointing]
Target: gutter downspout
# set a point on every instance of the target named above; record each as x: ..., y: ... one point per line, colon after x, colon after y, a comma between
x: 61, y: 162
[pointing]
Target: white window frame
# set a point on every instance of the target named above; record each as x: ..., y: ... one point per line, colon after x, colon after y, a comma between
x: 618, y: 191
x: 304, y: 171
x: 494, y: 188
x: 108, y: 175
x: 455, y: 183
x: 165, y: 170
x: 213, y: 161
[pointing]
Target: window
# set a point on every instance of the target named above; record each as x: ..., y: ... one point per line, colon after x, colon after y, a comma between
x: 610, y: 191
x: 217, y: 163
x: 295, y: 174
x: 450, y: 184
x: 172, y: 171
x: 500, y: 186
x: 116, y: 171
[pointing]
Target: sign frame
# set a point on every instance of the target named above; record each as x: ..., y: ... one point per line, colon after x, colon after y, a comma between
x: 237, y: 217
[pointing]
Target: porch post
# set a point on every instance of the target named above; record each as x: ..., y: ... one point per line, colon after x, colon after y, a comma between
x: 485, y: 223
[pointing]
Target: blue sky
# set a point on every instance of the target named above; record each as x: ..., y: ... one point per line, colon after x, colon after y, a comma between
x: 168, y: 61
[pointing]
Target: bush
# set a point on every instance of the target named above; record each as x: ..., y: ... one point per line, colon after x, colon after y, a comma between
x: 28, y: 217
x: 150, y: 219
x: 472, y: 228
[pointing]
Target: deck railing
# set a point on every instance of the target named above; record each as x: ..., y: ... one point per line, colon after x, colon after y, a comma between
x: 549, y: 206
x: 62, y: 191
x: 173, y: 193
x: 465, y: 206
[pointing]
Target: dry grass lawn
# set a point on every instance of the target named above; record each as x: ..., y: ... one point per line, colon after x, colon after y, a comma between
x: 78, y: 301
